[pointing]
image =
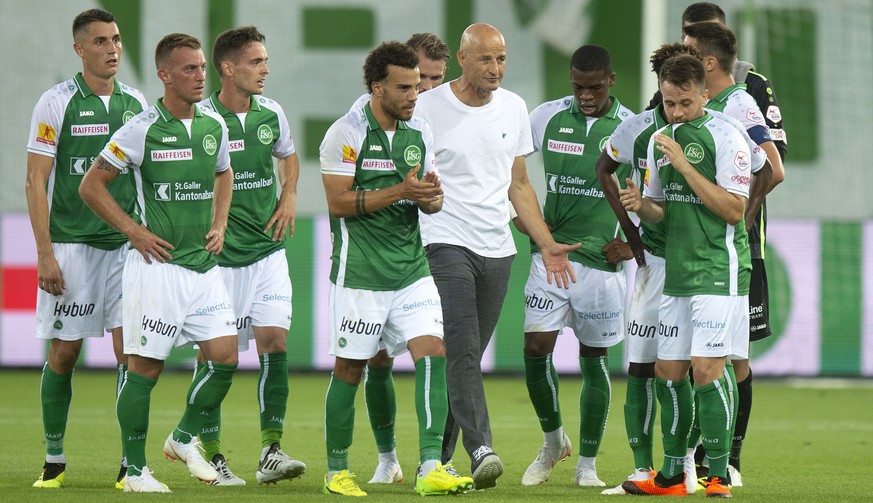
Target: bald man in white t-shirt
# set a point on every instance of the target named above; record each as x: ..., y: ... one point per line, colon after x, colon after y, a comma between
x: 482, y: 135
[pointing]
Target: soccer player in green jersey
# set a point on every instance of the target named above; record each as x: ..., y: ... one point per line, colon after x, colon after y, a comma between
x: 571, y: 132
x: 378, y: 383
x: 718, y: 48
x: 699, y: 175
x: 79, y: 257
x: 173, y: 292
x: 253, y: 262
x: 378, y: 170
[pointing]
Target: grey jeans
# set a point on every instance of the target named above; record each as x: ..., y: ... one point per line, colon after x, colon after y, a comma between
x: 472, y: 289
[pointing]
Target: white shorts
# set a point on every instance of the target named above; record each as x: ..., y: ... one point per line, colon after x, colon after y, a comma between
x: 91, y: 302
x: 593, y: 306
x: 261, y: 294
x: 642, y: 314
x: 360, y: 319
x: 166, y: 306
x: 701, y: 325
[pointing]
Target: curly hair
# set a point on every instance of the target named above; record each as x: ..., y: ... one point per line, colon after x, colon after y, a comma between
x: 683, y: 71
x: 667, y: 51
x: 388, y: 53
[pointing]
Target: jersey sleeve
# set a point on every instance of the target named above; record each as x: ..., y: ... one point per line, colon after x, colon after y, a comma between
x: 126, y: 146
x: 538, y: 120
x: 360, y: 102
x: 761, y: 90
x: 46, y: 123
x: 223, y: 160
x: 733, y: 168
x: 620, y: 146
x: 759, y: 157
x: 652, y: 181
x: 284, y: 146
x: 338, y: 152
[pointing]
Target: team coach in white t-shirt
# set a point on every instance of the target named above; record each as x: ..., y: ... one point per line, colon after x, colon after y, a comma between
x: 482, y: 134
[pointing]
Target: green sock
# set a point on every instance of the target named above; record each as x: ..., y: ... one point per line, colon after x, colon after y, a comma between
x: 339, y: 422
x: 431, y: 405
x: 381, y: 405
x: 677, y: 414
x: 205, y: 394
x: 715, y: 420
x: 56, y: 393
x: 640, y: 411
x: 542, y: 388
x: 272, y: 396
x: 593, y: 404
x: 734, y: 390
x: 121, y: 375
x: 210, y: 433
x: 694, y: 434
x: 132, y: 410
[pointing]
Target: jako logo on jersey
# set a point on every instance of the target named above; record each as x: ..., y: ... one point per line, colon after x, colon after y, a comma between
x: 86, y: 113
x: 89, y: 130
x: 209, y: 144
x: 162, y: 192
x: 168, y: 139
x: 566, y: 147
x: 181, y: 154
x: 265, y: 134
x: 412, y: 155
x: 375, y: 148
x: 694, y: 153
x: 567, y: 130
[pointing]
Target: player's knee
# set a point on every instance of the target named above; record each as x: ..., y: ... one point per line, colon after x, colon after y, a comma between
x: 381, y: 360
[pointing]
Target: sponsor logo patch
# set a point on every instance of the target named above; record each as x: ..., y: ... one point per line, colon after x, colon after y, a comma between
x: 741, y: 161
x: 774, y: 114
x: 566, y: 147
x: 754, y: 115
x: 778, y: 135
x: 180, y: 154
x: 162, y: 192
x: 378, y: 165
x: 78, y: 165
x: 117, y: 152
x: 349, y: 155
x: 236, y: 145
x: 89, y: 129
x: 46, y: 134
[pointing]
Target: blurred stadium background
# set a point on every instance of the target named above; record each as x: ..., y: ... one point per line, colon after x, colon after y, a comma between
x: 817, y: 54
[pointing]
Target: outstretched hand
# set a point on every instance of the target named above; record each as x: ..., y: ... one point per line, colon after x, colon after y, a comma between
x: 558, y: 265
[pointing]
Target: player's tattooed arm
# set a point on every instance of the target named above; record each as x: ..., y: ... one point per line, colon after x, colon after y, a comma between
x: 105, y: 165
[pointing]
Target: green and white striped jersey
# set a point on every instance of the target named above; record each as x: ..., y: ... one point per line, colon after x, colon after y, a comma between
x: 254, y: 139
x: 72, y: 124
x: 382, y: 250
x: 174, y: 164
x: 704, y: 254
x: 575, y: 205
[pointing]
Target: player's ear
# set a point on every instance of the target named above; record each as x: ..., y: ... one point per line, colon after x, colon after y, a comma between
x: 164, y: 76
x: 78, y: 49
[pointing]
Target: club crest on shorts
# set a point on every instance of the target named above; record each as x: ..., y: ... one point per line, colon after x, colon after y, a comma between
x: 342, y: 342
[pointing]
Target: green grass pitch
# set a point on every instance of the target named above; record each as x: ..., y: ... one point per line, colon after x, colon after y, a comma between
x: 809, y: 441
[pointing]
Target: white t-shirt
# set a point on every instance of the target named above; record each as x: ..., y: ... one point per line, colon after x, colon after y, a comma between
x: 475, y: 149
